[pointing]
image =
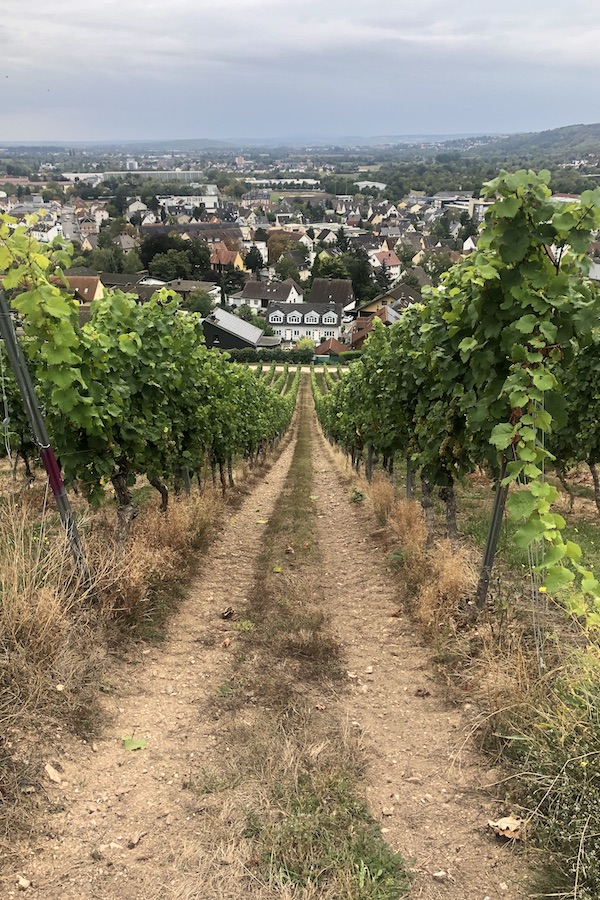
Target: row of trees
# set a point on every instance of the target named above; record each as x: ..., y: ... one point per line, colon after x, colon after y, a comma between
x: 134, y: 390
x: 472, y: 377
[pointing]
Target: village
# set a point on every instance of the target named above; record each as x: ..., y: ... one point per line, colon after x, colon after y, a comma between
x: 299, y: 267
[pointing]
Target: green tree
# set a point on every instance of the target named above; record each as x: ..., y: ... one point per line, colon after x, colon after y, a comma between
x: 132, y: 262
x: 342, y: 242
x: 170, y: 265
x: 359, y: 270
x: 409, y: 278
x: 199, y: 302
x: 249, y: 315
x: 287, y: 268
x: 383, y: 278
x: 333, y: 267
x: 405, y: 254
x: 230, y: 281
x: 106, y: 260
x: 306, y: 343
x: 254, y: 260
x: 441, y: 228
x: 277, y: 244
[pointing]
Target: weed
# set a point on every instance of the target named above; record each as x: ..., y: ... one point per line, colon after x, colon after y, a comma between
x: 554, y: 747
x: 325, y: 836
x: 397, y: 559
x: 225, y: 689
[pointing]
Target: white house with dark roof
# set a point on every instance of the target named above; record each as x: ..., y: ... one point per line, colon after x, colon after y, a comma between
x: 292, y: 321
x: 259, y: 294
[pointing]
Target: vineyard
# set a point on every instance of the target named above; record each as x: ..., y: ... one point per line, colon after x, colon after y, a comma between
x: 493, y: 381
x: 491, y: 372
x: 132, y: 392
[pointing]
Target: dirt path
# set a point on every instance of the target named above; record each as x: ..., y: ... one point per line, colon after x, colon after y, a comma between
x: 122, y: 823
x: 423, y: 783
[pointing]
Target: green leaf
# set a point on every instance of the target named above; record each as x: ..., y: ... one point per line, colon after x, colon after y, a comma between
x: 502, y: 436
x: 573, y: 551
x: 526, y: 324
x: 529, y: 532
x: 557, y: 578
x: 521, y: 504
x: 589, y: 585
x: 549, y: 330
x: 552, y: 555
x: 133, y: 743
x: 467, y: 344
x: 545, y: 381
x: 507, y: 209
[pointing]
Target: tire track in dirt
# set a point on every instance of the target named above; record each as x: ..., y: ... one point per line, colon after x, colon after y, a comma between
x: 424, y: 781
x: 118, y: 819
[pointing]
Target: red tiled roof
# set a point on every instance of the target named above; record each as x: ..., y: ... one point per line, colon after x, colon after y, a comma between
x: 330, y: 347
x: 223, y: 257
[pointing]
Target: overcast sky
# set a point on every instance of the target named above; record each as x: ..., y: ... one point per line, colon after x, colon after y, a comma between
x: 127, y: 69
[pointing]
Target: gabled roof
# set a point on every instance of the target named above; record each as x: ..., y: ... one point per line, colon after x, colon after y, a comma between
x: 338, y: 290
x: 269, y: 290
x: 235, y: 325
x: 85, y: 286
x: 120, y: 279
x: 297, y: 258
x: 181, y: 284
x: 330, y: 347
x: 225, y: 257
x: 387, y: 258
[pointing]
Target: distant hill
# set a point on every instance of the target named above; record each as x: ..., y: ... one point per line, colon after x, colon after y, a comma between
x: 571, y: 141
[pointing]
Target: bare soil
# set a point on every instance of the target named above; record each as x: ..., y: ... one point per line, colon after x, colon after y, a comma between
x: 121, y: 824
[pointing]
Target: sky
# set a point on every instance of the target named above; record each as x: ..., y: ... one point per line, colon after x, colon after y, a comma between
x: 169, y: 69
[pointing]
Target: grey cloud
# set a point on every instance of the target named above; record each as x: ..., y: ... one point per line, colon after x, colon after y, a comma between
x: 141, y: 68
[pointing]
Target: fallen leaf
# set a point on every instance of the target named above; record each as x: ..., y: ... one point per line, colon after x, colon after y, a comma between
x: 277, y: 569
x: 422, y: 692
x: 226, y: 642
x: 133, y: 743
x: 509, y: 827
x: 52, y: 774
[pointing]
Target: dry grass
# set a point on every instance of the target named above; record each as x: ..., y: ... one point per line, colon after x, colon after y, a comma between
x: 276, y: 813
x: 407, y: 522
x: 382, y: 495
x: 55, y: 631
x: 162, y: 552
x: 442, y: 593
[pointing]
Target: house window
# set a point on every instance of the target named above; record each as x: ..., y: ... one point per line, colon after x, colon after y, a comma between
x: 329, y: 319
x: 296, y: 332
x: 294, y: 318
x: 311, y: 319
x: 277, y: 332
x: 276, y: 317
